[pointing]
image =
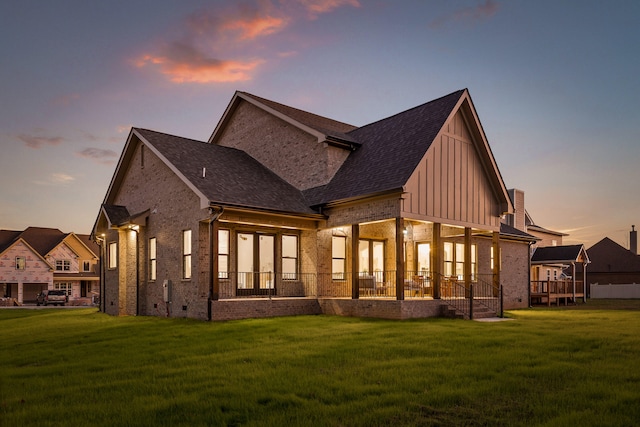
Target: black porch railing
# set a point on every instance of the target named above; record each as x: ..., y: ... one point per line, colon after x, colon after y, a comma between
x: 377, y: 284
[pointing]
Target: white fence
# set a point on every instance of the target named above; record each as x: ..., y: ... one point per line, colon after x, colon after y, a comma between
x: 615, y: 291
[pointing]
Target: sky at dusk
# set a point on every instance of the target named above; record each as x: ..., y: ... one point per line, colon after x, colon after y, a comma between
x: 556, y: 85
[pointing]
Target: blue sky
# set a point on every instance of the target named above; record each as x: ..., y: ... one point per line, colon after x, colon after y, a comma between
x: 555, y: 84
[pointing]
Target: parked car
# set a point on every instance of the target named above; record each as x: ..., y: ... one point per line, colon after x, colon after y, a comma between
x: 51, y: 296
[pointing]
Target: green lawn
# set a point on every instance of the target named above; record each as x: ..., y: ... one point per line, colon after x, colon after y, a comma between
x: 555, y: 367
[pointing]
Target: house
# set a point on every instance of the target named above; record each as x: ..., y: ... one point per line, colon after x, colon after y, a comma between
x: 614, y: 264
x: 285, y: 212
x: 46, y: 258
x: 550, y: 259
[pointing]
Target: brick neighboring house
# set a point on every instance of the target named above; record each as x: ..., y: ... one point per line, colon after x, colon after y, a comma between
x: 285, y: 212
x: 46, y: 258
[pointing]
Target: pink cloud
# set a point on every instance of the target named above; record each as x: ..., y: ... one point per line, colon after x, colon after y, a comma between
x: 183, y: 63
x: 99, y: 155
x: 316, y: 7
x: 214, y: 45
x: 471, y: 14
x: 33, y: 141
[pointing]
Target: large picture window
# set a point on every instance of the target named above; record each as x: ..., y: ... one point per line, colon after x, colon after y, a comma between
x: 289, y: 257
x: 223, y: 254
x: 152, y: 258
x: 338, y: 257
x: 186, y: 254
x: 454, y: 260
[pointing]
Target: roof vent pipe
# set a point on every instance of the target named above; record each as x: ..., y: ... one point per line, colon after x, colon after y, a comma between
x: 633, y: 240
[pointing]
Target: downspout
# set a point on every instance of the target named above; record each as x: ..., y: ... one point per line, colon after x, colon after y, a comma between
x: 215, y: 212
x: 529, y: 274
x: 136, y: 229
x: 101, y: 243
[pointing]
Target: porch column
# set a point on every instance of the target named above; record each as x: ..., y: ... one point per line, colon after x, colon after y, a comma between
x: 573, y: 280
x: 436, y: 259
x: 467, y: 261
x: 399, y: 258
x: 497, y: 258
x: 584, y: 283
x: 355, y: 261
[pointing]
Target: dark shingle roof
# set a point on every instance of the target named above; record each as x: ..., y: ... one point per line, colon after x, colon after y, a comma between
x: 391, y: 150
x: 552, y: 254
x: 116, y: 214
x: 323, y: 125
x: 608, y: 256
x: 7, y: 237
x: 507, y: 230
x: 232, y: 176
x: 43, y: 240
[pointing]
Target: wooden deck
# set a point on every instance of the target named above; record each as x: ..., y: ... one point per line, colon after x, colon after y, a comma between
x: 556, y: 291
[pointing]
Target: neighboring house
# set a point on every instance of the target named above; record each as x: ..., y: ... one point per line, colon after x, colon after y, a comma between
x: 45, y: 258
x: 612, y: 263
x: 284, y: 212
x: 554, y: 266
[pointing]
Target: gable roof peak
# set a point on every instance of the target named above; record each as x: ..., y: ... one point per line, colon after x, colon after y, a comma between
x: 324, y: 129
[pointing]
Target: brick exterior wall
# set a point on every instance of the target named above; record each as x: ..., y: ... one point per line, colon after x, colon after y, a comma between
x: 514, y: 275
x: 254, y: 308
x: 294, y: 155
x: 173, y: 207
x: 383, y: 309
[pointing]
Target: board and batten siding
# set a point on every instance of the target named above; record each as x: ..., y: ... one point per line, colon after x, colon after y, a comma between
x: 450, y: 184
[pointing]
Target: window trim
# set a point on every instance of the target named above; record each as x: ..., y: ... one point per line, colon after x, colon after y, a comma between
x: 223, y: 257
x: 187, y: 266
x: 112, y: 254
x: 63, y: 264
x: 21, y: 263
x: 339, y: 275
x: 153, y: 258
x: 294, y: 275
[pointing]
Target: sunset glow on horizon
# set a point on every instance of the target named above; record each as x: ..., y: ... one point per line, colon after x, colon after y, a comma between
x: 554, y: 83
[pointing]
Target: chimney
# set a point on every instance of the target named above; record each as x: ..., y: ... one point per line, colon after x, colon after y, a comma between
x: 633, y: 240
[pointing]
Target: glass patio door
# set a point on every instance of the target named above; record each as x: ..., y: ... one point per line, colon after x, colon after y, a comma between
x: 256, y: 261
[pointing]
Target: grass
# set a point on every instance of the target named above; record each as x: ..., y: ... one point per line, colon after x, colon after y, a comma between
x: 548, y: 366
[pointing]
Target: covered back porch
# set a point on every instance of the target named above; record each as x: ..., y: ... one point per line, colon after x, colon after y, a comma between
x: 382, y: 264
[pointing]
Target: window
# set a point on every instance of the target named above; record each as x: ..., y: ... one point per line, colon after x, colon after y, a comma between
x: 338, y: 257
x: 186, y: 254
x: 454, y: 260
x: 223, y: 254
x: 63, y: 265
x: 65, y: 287
x: 256, y: 261
x: 21, y: 263
x: 152, y: 258
x: 371, y: 253
x: 448, y: 259
x: 424, y: 258
x: 289, y: 257
x: 499, y: 260
x: 113, y: 255
x: 86, y: 266
x: 460, y: 261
